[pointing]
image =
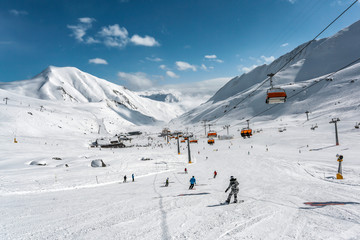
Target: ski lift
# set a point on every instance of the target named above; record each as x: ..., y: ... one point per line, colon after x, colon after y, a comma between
x: 246, y: 132
x: 211, y: 141
x: 275, y: 95
x: 194, y: 141
x: 212, y: 134
x: 357, y: 125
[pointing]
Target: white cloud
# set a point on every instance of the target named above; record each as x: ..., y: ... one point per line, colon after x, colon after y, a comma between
x: 203, y: 67
x: 91, y: 40
x: 136, y: 81
x: 182, y: 66
x: 18, y: 12
x: 98, y: 61
x: 292, y: 1
x: 171, y: 74
x: 163, y: 67
x: 285, y: 44
x: 114, y: 36
x: 79, y: 30
x: 210, y: 56
x: 114, y: 31
x: 214, y: 58
x: 144, y: 41
x: 246, y: 69
x: 86, y: 20
x: 268, y: 59
x: 111, y: 36
x: 155, y: 59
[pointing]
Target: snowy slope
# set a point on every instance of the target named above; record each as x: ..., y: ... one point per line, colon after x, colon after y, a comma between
x: 279, y: 173
x: 321, y: 58
x: 69, y: 84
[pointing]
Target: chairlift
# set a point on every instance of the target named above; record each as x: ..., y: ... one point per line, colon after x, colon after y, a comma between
x: 212, y: 134
x: 246, y: 132
x: 211, y: 141
x: 275, y: 95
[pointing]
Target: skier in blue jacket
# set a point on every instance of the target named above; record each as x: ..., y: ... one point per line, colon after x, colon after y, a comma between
x: 192, y: 182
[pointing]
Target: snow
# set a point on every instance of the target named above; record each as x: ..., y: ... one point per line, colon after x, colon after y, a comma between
x: 287, y: 178
x: 278, y: 173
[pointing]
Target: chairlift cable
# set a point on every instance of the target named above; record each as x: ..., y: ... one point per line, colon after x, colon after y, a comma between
x: 302, y: 90
x: 292, y: 58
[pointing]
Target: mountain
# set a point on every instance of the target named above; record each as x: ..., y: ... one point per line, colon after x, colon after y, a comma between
x: 69, y: 84
x: 313, y: 64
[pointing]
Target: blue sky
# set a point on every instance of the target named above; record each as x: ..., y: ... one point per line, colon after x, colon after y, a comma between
x: 145, y: 43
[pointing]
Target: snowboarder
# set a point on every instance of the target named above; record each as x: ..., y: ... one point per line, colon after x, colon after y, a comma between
x: 185, y: 171
x: 215, y: 173
x: 133, y: 177
x: 234, y: 185
x: 192, y: 182
x: 167, y: 182
x: 124, y: 178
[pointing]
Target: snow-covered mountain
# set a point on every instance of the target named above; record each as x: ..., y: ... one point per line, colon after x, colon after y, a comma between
x: 69, y: 84
x: 319, y: 59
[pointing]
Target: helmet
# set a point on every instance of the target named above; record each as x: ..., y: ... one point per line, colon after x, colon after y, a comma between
x: 232, y: 177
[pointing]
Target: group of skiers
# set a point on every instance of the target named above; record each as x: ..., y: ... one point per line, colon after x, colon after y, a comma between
x: 233, y: 185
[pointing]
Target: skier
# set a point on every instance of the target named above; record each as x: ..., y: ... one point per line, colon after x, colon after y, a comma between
x: 215, y: 173
x: 192, y: 182
x: 124, y: 178
x: 133, y: 177
x: 167, y: 182
x: 185, y: 171
x: 234, y: 185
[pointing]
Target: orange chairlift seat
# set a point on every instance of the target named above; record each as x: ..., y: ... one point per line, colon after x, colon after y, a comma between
x: 212, y: 134
x: 193, y: 141
x: 275, y: 95
x: 246, y: 132
x: 211, y: 141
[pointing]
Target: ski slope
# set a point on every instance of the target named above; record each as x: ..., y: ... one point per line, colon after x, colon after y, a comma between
x: 278, y: 173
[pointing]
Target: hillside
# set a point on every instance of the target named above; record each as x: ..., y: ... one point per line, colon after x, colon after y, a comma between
x: 316, y: 62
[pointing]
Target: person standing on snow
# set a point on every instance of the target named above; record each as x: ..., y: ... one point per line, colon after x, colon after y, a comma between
x: 234, y: 185
x: 185, y: 171
x: 167, y: 182
x: 133, y: 177
x: 215, y: 173
x: 192, y: 182
x: 124, y: 178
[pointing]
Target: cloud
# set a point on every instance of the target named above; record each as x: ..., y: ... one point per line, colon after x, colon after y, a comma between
x: 203, y: 67
x: 18, y: 12
x: 171, y: 74
x: 136, y: 81
x: 114, y: 36
x: 79, y: 30
x: 248, y: 69
x: 154, y: 59
x: 86, y: 20
x: 98, y: 61
x: 163, y: 67
x: 182, y: 66
x: 110, y: 36
x: 144, y: 41
x: 268, y: 59
x: 213, y: 58
x: 285, y: 44
x: 292, y: 1
x: 210, y: 56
